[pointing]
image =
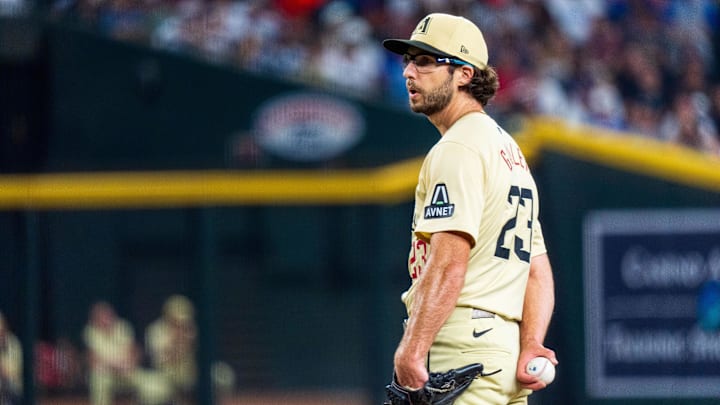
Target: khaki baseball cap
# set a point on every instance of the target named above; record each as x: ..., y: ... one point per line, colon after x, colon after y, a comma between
x: 445, y: 35
x: 178, y: 307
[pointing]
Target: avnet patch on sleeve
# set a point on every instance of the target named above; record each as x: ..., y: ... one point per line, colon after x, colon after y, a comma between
x: 440, y: 206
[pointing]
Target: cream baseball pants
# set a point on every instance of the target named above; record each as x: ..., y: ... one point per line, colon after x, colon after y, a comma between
x: 476, y: 336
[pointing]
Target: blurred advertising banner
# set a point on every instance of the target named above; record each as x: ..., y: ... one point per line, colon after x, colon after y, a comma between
x: 652, y: 303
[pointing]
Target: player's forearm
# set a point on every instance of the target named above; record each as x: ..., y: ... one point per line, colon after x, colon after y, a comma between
x: 435, y: 298
x: 539, y: 302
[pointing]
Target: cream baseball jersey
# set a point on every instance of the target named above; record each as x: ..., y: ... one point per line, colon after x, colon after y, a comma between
x: 475, y: 180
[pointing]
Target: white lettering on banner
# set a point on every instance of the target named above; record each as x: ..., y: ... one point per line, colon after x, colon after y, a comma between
x: 704, y: 347
x: 661, y: 346
x: 651, y: 298
x: 307, y: 127
x: 714, y: 263
x: 642, y: 269
x: 644, y: 346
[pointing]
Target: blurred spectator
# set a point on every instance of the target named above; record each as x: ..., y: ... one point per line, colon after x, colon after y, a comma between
x: 690, y: 23
x: 58, y: 366
x: 575, y: 17
x: 347, y: 46
x: 604, y: 104
x: 639, y: 80
x: 642, y: 118
x: 171, y: 343
x: 9, y: 8
x: 124, y: 19
x: 613, y: 63
x: 686, y: 124
x: 715, y: 104
x: 292, y: 50
x: 114, y: 359
x: 10, y: 366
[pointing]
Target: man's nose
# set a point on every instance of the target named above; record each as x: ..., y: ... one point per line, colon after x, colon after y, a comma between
x: 410, y: 70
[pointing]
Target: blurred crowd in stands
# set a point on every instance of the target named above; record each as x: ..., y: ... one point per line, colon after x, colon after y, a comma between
x: 643, y: 66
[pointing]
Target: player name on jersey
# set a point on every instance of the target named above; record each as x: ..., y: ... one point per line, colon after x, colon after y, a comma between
x: 512, y: 155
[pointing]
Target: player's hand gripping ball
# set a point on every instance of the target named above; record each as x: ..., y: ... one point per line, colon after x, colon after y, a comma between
x: 542, y: 368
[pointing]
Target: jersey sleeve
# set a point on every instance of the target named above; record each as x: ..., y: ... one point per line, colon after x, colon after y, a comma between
x: 454, y: 199
x: 538, y: 240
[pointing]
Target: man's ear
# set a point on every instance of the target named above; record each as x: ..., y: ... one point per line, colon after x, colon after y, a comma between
x: 466, y: 75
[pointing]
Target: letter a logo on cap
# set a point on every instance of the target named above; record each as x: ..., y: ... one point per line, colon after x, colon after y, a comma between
x: 422, y: 27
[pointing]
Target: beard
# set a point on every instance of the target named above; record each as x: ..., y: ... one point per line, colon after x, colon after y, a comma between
x: 435, y: 100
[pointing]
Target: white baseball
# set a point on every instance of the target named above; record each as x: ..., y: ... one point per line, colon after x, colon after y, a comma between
x: 542, y: 368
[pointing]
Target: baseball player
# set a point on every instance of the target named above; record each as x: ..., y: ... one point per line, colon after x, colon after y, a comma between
x: 114, y: 361
x: 171, y: 343
x: 482, y: 285
x: 10, y: 366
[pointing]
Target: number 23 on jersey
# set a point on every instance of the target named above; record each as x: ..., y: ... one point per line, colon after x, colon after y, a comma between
x: 516, y: 235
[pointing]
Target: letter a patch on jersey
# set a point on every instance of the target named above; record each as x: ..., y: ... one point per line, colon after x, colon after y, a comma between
x: 440, y: 206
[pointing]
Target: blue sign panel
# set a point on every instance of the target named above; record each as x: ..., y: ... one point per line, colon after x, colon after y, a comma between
x: 652, y: 303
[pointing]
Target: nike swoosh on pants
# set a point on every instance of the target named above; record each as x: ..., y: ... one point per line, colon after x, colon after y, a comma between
x: 482, y: 332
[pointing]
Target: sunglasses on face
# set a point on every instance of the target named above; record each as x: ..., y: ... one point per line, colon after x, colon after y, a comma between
x: 425, y: 63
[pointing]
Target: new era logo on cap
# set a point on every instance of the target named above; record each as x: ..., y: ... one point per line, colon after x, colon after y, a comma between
x: 445, y: 35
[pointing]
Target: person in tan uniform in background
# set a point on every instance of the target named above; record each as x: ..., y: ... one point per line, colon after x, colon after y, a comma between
x: 10, y: 366
x: 114, y: 361
x: 482, y: 285
x: 171, y: 343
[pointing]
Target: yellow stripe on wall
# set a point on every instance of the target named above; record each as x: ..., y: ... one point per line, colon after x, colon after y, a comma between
x: 394, y: 183
x: 386, y: 185
x: 628, y: 152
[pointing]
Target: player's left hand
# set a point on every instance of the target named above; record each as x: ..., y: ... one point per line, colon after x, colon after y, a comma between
x: 527, y: 353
